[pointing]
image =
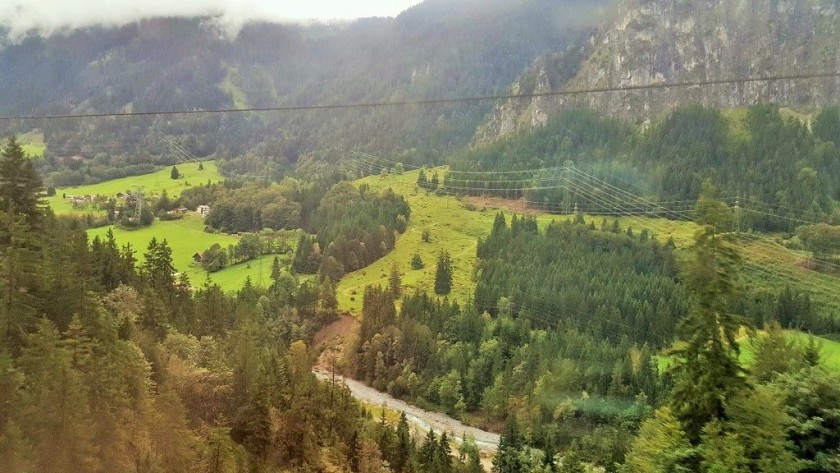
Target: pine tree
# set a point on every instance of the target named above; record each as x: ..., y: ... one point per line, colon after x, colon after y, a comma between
x: 158, y: 268
x: 174, y: 174
x: 422, y: 180
x: 21, y: 192
x: 443, y: 455
x: 18, y: 279
x: 417, y: 262
x: 275, y: 269
x: 443, y: 274
x: 394, y: 282
x: 511, y: 443
x: 708, y: 373
x: 427, y: 452
x: 56, y: 405
x: 404, y: 447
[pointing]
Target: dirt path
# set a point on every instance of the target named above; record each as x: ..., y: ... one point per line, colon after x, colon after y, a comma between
x: 486, y: 441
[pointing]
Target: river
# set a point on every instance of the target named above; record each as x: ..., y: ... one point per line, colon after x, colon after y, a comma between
x: 425, y: 420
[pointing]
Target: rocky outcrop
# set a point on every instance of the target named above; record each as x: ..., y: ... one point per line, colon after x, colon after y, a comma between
x: 678, y: 41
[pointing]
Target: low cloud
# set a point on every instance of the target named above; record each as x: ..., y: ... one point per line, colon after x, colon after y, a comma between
x: 46, y: 17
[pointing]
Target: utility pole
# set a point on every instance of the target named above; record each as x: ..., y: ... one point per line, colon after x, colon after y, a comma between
x: 139, y: 207
x: 567, y: 194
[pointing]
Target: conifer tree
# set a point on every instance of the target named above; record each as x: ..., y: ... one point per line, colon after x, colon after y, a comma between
x: 275, y: 269
x: 404, y: 446
x: 427, y: 452
x: 416, y: 262
x: 443, y: 455
x: 394, y: 282
x: 708, y: 373
x: 158, y: 268
x: 507, y: 459
x: 21, y: 192
x: 434, y: 182
x: 443, y: 274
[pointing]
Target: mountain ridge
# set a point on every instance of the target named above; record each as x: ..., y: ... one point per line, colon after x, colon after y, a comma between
x: 672, y: 41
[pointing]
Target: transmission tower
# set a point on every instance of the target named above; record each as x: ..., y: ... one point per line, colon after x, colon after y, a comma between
x: 138, y: 209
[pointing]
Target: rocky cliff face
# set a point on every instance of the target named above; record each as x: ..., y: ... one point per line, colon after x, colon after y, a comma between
x: 659, y: 41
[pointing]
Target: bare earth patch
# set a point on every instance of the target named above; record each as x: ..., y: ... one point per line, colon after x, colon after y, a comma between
x: 518, y: 206
x: 333, y: 341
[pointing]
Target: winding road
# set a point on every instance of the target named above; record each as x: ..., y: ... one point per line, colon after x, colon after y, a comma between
x: 486, y: 441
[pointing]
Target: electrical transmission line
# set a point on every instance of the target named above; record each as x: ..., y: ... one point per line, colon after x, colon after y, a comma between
x: 443, y: 101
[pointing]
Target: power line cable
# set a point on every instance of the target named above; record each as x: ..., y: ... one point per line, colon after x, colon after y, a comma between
x: 445, y: 101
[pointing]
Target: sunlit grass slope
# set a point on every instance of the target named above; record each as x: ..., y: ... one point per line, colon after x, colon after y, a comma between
x: 153, y: 184
x: 33, y: 143
x: 187, y: 237
x: 453, y: 228
x: 830, y: 354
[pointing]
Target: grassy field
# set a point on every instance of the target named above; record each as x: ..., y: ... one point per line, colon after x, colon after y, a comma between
x: 187, y: 237
x: 830, y: 354
x: 153, y: 184
x: 33, y: 143
x: 452, y: 226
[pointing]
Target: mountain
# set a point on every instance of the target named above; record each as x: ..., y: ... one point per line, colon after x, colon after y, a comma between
x: 437, y: 49
x: 672, y: 41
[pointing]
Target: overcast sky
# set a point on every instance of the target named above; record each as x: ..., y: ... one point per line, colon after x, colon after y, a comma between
x: 49, y: 16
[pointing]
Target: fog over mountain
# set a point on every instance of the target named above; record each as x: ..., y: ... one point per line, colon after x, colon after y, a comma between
x: 46, y: 17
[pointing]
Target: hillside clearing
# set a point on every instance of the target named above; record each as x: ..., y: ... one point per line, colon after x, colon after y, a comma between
x: 152, y: 184
x: 187, y: 237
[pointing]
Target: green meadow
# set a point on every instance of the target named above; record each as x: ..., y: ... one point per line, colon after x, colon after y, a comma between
x: 33, y: 143
x: 153, y: 185
x: 187, y: 237
x: 829, y: 355
x: 453, y: 227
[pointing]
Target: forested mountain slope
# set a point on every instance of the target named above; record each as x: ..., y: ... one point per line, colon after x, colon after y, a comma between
x: 672, y: 41
x: 433, y: 50
x: 781, y: 173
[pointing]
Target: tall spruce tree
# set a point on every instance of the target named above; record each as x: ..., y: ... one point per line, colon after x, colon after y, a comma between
x: 707, y: 373
x: 507, y: 459
x: 21, y: 192
x: 443, y: 274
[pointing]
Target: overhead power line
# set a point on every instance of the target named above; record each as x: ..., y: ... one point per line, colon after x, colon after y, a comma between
x: 445, y: 101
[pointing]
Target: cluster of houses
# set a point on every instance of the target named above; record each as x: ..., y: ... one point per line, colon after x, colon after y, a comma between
x: 84, y: 200
x: 79, y: 200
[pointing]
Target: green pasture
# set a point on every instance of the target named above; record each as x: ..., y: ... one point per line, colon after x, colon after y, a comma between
x: 452, y: 227
x: 829, y: 355
x: 32, y: 143
x: 153, y: 185
x: 187, y: 237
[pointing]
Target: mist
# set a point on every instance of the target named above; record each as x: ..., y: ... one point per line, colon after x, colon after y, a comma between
x: 47, y: 17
